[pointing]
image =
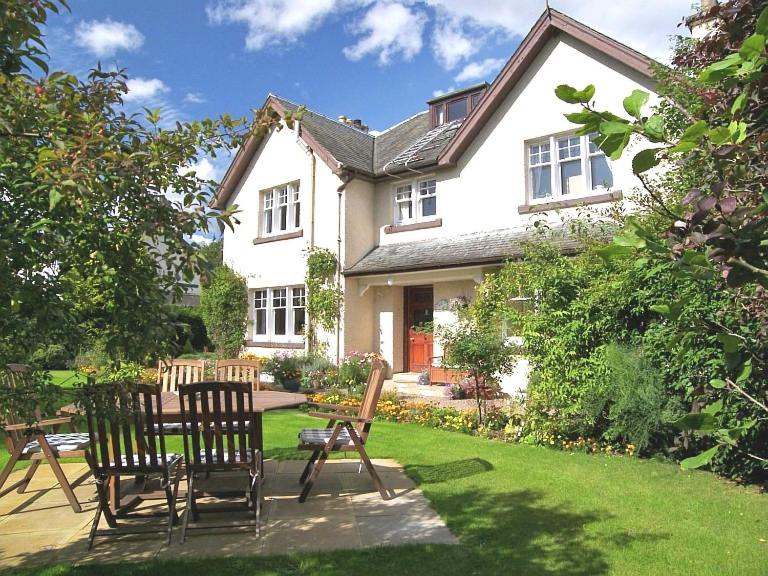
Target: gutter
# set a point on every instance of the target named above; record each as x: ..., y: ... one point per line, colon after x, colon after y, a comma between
x: 346, y: 177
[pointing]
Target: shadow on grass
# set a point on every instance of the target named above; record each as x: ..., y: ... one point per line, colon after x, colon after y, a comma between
x: 448, y: 471
x: 514, y: 532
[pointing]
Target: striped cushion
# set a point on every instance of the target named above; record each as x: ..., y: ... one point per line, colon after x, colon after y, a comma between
x: 320, y: 436
x: 203, y: 458
x: 60, y: 443
x: 176, y: 429
x: 136, y: 462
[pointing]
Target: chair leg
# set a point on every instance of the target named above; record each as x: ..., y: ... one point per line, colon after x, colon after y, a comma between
x: 319, y: 464
x: 308, y: 467
x: 15, y: 455
x: 94, y: 526
x: 188, y: 509
x: 59, y: 473
x: 368, y: 464
x: 28, y: 476
x: 171, y: 500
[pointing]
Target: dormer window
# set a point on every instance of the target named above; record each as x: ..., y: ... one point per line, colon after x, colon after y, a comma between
x: 456, y: 105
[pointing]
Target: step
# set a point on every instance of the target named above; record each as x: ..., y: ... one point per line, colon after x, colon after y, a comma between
x: 411, y: 390
x: 406, y: 377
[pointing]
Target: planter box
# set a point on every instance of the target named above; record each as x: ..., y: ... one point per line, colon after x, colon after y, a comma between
x: 440, y: 375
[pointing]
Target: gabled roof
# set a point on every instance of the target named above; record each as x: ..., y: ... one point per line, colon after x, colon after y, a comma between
x: 547, y: 26
x: 413, y: 143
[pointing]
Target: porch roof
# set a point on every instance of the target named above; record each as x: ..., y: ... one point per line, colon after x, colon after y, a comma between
x: 490, y: 247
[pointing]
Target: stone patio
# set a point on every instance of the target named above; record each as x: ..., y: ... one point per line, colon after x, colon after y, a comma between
x: 344, y: 511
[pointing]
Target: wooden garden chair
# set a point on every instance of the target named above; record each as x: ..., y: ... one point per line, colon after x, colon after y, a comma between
x: 174, y: 373
x: 239, y: 371
x: 347, y: 430
x: 126, y: 442
x: 38, y: 440
x: 214, y: 418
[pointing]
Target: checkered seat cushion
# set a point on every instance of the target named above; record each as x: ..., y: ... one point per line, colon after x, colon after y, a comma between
x: 176, y: 428
x: 169, y: 458
x: 204, y: 459
x: 320, y: 436
x: 60, y: 443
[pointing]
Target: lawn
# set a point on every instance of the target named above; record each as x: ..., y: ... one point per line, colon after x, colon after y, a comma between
x: 524, y: 510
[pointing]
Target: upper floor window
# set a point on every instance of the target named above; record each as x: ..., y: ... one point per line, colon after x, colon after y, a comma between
x: 456, y: 105
x: 415, y: 201
x: 281, y: 209
x: 566, y: 167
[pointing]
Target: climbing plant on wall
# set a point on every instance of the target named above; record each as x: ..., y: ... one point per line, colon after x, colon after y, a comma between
x: 324, y: 298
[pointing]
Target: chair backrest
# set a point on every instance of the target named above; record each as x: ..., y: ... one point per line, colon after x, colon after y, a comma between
x: 15, y: 376
x: 125, y: 426
x: 215, y: 423
x: 174, y: 373
x: 371, y: 396
x: 239, y: 371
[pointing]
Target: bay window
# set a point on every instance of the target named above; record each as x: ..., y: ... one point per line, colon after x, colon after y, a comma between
x: 561, y: 167
x: 281, y: 209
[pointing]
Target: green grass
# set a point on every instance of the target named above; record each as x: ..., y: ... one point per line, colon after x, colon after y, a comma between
x: 523, y: 510
x: 66, y: 378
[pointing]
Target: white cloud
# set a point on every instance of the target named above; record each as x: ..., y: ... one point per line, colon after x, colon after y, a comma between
x: 274, y: 21
x: 107, y: 37
x: 145, y: 89
x: 452, y: 43
x: 437, y: 93
x: 480, y: 70
x: 194, y: 98
x: 388, y: 29
x: 200, y: 239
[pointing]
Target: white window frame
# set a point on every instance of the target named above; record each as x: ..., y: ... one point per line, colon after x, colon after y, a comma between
x: 270, y: 208
x: 585, y: 157
x: 270, y: 336
x: 415, y: 200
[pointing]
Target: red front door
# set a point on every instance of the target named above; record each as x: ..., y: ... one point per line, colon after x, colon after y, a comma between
x: 418, y: 349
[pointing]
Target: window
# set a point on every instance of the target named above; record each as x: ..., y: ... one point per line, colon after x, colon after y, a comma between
x: 577, y: 168
x: 457, y: 109
x: 299, y: 310
x: 260, y: 312
x: 279, y: 314
x: 282, y: 210
x: 455, y: 106
x: 415, y: 201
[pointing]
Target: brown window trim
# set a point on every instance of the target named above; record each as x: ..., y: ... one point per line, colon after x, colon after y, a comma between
x: 264, y: 344
x: 570, y: 203
x: 278, y: 237
x: 395, y: 228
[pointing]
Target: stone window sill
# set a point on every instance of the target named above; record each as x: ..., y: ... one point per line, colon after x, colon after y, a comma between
x: 395, y: 228
x: 278, y: 237
x: 266, y: 344
x: 570, y: 202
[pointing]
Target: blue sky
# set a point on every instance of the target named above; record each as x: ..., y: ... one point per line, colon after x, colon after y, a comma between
x: 378, y: 60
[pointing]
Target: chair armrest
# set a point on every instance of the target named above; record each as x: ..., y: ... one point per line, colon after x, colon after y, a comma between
x: 336, y: 407
x: 340, y: 417
x: 49, y: 422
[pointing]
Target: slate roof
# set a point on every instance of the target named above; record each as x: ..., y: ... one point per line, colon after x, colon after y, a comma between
x: 468, y: 249
x: 409, y: 144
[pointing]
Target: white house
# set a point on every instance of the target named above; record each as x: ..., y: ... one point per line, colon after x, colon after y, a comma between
x: 419, y: 213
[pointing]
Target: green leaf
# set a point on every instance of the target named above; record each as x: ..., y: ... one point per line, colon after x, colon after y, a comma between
x: 762, y: 23
x: 730, y: 342
x: 719, y: 135
x: 752, y: 47
x: 54, y: 197
x: 699, y: 460
x: 645, y: 160
x: 654, y: 128
x: 615, y: 251
x: 614, y: 127
x: 739, y: 103
x: 570, y: 95
x: 745, y: 373
x: 683, y: 146
x: 695, y: 131
x: 701, y: 421
x: 634, y: 103
x: 717, y: 383
x: 584, y: 117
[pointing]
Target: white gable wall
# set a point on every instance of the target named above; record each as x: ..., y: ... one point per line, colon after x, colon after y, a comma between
x: 484, y: 190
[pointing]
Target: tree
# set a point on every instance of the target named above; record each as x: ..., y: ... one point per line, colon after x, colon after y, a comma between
x: 478, y: 348
x: 224, y: 305
x: 96, y: 206
x: 710, y: 137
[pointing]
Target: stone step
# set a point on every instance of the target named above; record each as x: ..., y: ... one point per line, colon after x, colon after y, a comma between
x: 406, y: 377
x: 411, y: 390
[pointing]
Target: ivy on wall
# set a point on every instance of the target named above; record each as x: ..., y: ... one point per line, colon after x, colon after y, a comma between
x: 324, y: 297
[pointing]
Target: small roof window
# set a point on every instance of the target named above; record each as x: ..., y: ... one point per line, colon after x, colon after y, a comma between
x: 456, y: 105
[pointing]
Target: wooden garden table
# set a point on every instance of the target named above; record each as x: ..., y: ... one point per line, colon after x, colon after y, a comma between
x: 263, y: 401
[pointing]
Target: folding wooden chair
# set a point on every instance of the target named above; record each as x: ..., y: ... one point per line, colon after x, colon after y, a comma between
x: 126, y: 442
x: 239, y: 371
x: 174, y: 373
x: 347, y: 430
x: 38, y: 440
x: 217, y: 438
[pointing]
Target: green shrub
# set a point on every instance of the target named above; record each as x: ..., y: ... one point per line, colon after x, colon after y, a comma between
x: 51, y: 357
x: 224, y: 307
x: 189, y: 327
